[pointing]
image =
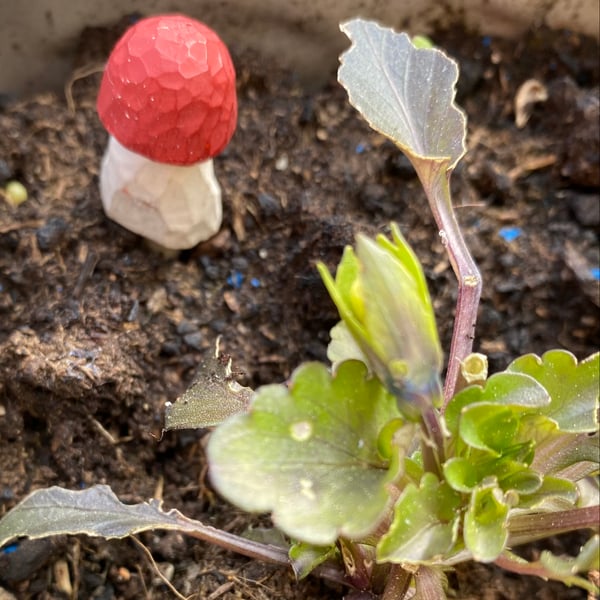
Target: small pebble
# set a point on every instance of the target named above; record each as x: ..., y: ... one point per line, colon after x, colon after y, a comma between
x: 268, y: 204
x: 211, y: 270
x: 194, y: 340
x: 15, y: 193
x: 170, y: 348
x: 6, y: 172
x: 184, y: 327
x: 322, y: 135
x: 239, y: 263
x: 586, y: 208
x: 282, y: 163
x: 51, y: 234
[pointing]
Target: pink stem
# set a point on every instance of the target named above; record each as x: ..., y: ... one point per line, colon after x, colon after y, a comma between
x: 435, y: 177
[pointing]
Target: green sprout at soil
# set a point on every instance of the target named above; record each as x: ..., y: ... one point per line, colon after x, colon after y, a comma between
x: 381, y: 474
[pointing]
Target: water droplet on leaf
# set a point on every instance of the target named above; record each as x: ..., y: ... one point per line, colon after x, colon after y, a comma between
x: 301, y: 431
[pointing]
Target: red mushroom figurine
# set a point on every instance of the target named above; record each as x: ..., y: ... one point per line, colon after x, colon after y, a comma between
x: 168, y: 100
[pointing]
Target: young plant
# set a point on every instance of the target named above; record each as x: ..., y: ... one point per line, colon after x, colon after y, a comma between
x: 381, y: 476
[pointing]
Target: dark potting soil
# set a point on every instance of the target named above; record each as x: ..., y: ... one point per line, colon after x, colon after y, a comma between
x: 97, y: 332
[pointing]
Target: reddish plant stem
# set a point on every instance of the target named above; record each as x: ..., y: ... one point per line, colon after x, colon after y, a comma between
x: 515, y: 564
x: 429, y: 584
x: 435, y: 177
x: 529, y: 527
x: 397, y: 583
x: 252, y: 549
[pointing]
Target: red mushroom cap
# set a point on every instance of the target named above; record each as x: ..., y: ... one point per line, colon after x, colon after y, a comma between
x: 168, y: 91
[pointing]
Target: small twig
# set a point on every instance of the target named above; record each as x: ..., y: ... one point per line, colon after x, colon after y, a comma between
x: 222, y: 589
x: 143, y: 581
x: 76, y: 566
x: 80, y: 73
x: 89, y: 264
x: 107, y: 435
x: 158, y: 571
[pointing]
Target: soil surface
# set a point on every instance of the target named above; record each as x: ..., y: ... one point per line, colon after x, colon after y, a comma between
x: 97, y: 331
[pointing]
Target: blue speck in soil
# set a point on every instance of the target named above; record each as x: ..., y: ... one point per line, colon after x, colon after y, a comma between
x: 254, y: 282
x: 486, y: 41
x: 235, y: 280
x: 10, y: 548
x: 360, y: 148
x: 510, y: 234
x: 595, y: 272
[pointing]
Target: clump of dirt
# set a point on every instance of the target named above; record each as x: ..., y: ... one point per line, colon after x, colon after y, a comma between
x: 97, y: 331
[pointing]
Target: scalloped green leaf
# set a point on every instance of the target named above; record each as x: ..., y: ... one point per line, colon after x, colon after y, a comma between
x: 464, y: 474
x: 489, y: 427
x: 573, y: 387
x: 404, y: 92
x: 516, y: 390
x: 513, y: 389
x: 485, y: 524
x: 309, y: 454
x: 554, y: 494
x: 564, y: 454
x: 425, y: 524
x: 461, y: 474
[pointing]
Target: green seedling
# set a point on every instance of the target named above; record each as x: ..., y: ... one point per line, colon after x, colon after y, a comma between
x: 381, y: 475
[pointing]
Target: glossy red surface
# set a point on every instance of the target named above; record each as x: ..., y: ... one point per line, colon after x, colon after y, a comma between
x: 168, y: 91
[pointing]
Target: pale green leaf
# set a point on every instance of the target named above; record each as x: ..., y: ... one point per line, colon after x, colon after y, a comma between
x: 485, y: 524
x: 465, y: 474
x: 308, y: 454
x: 554, y: 494
x: 405, y: 93
x: 513, y: 389
x: 94, y: 512
x: 425, y: 524
x: 489, y: 427
x: 572, y: 455
x: 573, y: 387
x: 398, y: 315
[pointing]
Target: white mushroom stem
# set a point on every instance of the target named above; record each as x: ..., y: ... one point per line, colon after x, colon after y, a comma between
x: 175, y: 207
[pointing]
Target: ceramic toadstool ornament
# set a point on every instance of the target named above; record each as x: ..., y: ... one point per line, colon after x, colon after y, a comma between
x: 168, y: 101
